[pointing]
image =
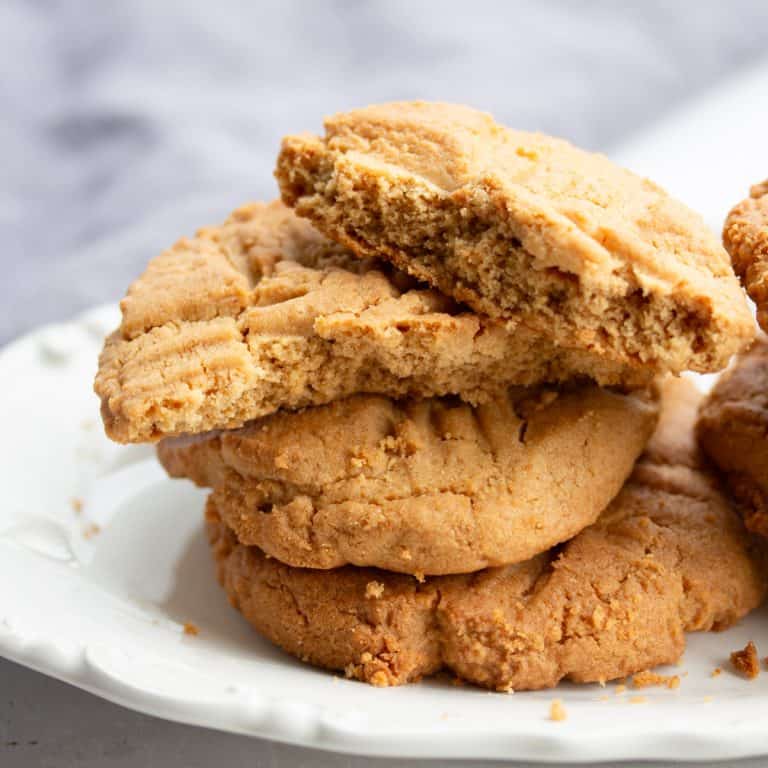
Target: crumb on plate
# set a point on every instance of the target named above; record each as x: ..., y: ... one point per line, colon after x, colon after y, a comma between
x: 648, y: 678
x: 91, y: 530
x: 746, y: 661
x: 557, y: 711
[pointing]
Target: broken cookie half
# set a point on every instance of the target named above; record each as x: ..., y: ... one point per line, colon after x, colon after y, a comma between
x: 524, y: 227
x: 264, y: 312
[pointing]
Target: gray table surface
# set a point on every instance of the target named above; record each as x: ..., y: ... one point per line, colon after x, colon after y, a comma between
x: 127, y: 124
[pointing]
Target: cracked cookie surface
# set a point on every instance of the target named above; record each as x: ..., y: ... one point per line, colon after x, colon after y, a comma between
x: 745, y: 235
x: 733, y: 431
x: 433, y: 486
x: 264, y: 313
x: 668, y: 556
x: 523, y: 226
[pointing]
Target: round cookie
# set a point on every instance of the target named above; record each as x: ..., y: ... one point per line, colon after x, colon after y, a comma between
x: 745, y: 236
x: 263, y: 313
x: 668, y: 556
x: 733, y: 431
x: 431, y: 486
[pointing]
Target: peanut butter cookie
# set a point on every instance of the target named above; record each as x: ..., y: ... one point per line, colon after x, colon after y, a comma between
x: 422, y: 487
x: 745, y: 235
x: 525, y: 227
x: 733, y: 431
x: 264, y: 313
x: 669, y: 555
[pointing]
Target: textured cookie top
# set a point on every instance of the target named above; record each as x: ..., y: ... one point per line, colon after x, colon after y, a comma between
x: 746, y: 237
x: 523, y: 226
x: 432, y: 486
x: 263, y: 313
x: 733, y: 431
x: 669, y: 555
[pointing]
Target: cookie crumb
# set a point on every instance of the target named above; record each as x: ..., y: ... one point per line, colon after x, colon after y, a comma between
x: 716, y: 672
x: 746, y: 661
x: 620, y: 689
x: 647, y: 679
x: 76, y: 504
x: 191, y: 629
x: 91, y: 530
x: 419, y: 576
x: 638, y: 700
x: 374, y: 590
x: 709, y: 699
x: 380, y: 679
x: 557, y: 711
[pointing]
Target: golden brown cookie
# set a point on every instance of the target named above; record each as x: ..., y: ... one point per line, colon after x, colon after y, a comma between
x: 264, y: 313
x: 669, y: 555
x: 422, y: 487
x: 733, y: 431
x: 523, y: 226
x: 745, y: 235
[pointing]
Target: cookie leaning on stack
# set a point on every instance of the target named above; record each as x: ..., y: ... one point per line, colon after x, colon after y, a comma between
x: 390, y: 469
x: 745, y: 235
x: 733, y: 431
x: 733, y: 423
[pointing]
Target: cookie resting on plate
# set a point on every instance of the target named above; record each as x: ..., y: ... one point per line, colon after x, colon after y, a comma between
x: 670, y: 555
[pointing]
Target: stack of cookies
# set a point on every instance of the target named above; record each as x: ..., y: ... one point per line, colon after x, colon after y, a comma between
x: 424, y: 390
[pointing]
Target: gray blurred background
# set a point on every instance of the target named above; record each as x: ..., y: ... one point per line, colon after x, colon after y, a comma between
x: 126, y: 123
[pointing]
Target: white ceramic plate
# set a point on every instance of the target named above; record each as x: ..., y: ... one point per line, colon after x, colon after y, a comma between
x: 104, y: 608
